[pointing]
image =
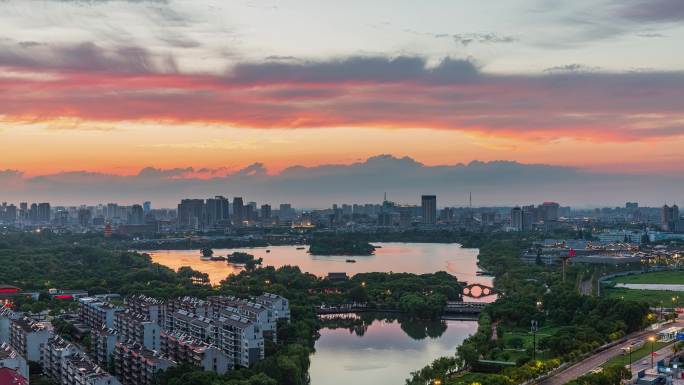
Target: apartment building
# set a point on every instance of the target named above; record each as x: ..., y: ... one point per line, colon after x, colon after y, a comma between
x: 182, y: 348
x: 280, y: 306
x: 136, y: 365
x: 103, y: 341
x: 154, y: 309
x: 196, y: 326
x: 10, y: 359
x: 96, y: 313
x: 28, y: 337
x: 137, y: 327
x: 256, y: 312
x: 239, y: 337
x: 7, y: 315
x: 55, y: 352
x: 79, y: 370
x: 242, y: 339
x: 189, y: 304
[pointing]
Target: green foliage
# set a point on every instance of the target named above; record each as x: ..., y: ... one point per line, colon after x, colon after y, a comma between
x: 340, y: 245
x: 44, y: 261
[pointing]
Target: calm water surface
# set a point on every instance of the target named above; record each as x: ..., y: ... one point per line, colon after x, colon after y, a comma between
x: 397, y: 257
x: 370, y: 349
x: 383, y: 352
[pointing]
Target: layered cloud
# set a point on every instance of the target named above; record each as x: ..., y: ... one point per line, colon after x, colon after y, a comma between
x: 87, y: 82
x: 403, y: 179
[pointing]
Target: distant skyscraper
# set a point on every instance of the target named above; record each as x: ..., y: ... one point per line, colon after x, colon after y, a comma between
x: 429, y: 208
x: 670, y: 218
x: 549, y: 211
x: 265, y: 212
x: 631, y: 205
x: 137, y: 216
x: 191, y: 213
x: 286, y: 212
x: 217, y: 211
x: 84, y: 217
x: 238, y: 211
x: 147, y: 207
x: 43, y: 212
x: 517, y: 218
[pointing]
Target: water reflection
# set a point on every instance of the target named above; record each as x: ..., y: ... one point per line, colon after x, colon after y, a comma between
x: 381, y: 349
x: 358, y: 324
x: 418, y: 258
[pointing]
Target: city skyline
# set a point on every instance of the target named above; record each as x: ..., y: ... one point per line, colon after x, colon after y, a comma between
x: 498, y: 183
x: 591, y: 85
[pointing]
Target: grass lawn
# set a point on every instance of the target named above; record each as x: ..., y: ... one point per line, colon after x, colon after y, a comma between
x: 658, y: 277
x: 653, y: 297
x: 637, y: 355
x: 527, y: 339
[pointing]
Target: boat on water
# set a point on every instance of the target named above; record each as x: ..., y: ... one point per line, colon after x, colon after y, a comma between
x: 218, y: 258
x: 301, y: 248
x: 268, y: 251
x: 483, y: 273
x: 350, y: 261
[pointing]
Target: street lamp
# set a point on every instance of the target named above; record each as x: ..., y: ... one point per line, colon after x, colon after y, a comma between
x: 534, y: 329
x: 652, y: 339
x: 629, y: 348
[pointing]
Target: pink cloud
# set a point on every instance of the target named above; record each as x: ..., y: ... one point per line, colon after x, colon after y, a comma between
x: 362, y: 92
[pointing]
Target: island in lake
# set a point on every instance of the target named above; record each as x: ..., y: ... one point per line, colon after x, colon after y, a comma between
x: 340, y: 246
x: 240, y: 258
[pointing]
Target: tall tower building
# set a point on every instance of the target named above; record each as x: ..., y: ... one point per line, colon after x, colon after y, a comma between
x: 238, y: 211
x: 517, y: 218
x: 429, y: 209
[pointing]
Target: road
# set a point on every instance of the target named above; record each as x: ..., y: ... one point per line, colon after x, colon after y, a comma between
x: 645, y: 363
x: 598, y: 359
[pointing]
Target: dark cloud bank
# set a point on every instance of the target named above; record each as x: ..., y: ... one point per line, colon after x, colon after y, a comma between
x: 404, y: 179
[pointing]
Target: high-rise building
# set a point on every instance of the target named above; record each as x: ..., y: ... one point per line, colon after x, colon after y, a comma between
x: 670, y: 218
x: 286, y: 212
x: 429, y: 209
x: 137, y: 215
x: 147, y: 206
x: 631, y: 205
x: 43, y: 212
x: 84, y: 217
x: 191, y: 213
x: 517, y: 218
x: 217, y: 211
x: 549, y: 211
x: 238, y: 211
x: 265, y: 212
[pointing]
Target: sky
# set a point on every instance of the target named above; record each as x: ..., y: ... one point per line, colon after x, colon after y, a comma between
x: 111, y: 88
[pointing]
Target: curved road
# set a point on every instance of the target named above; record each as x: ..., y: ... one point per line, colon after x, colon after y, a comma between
x: 598, y: 359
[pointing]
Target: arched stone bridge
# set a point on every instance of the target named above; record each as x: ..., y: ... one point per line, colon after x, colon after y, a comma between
x: 478, y: 290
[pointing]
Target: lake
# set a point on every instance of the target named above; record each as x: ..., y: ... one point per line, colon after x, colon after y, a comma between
x: 382, y: 351
x: 416, y: 258
x: 368, y: 348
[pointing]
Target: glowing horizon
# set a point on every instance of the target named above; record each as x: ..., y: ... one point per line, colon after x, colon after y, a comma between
x: 158, y: 87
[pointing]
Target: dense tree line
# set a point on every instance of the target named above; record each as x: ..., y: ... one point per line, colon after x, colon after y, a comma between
x: 532, y: 292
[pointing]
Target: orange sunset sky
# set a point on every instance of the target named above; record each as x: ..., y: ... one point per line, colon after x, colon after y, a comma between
x: 116, y: 86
